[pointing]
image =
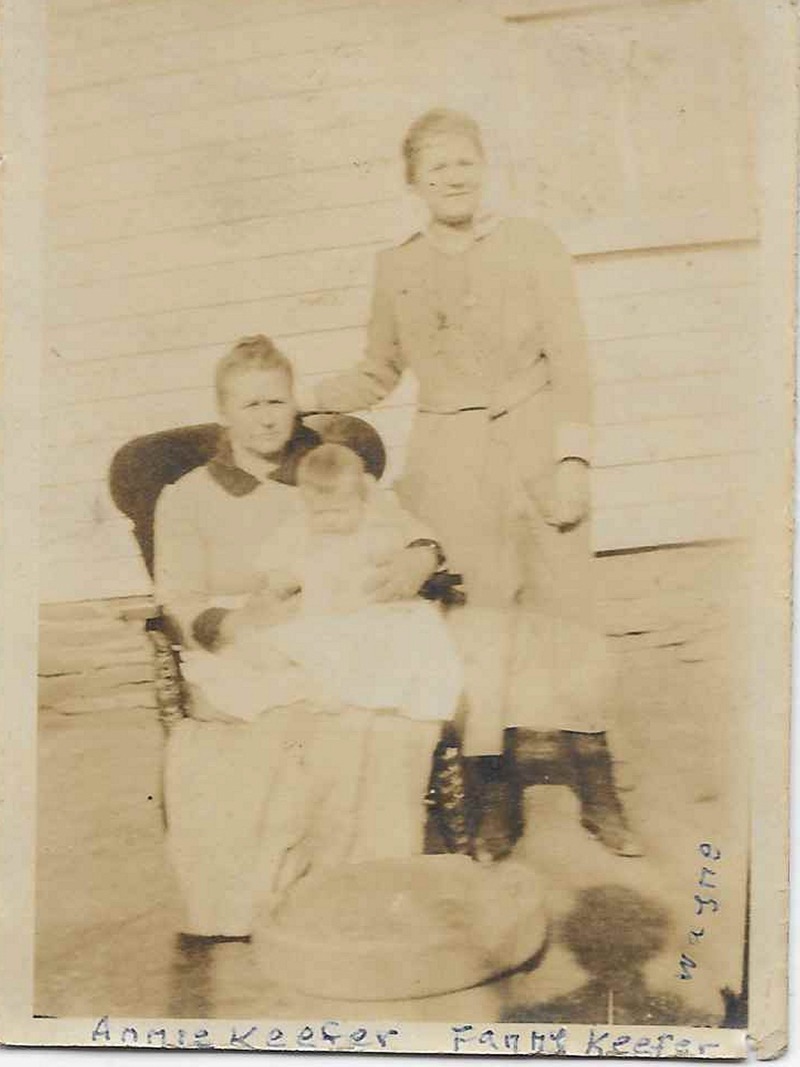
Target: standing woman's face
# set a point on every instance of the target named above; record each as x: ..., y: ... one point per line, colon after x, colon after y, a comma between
x: 258, y: 408
x: 449, y: 175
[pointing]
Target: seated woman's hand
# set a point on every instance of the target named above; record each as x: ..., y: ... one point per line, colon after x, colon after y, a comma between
x: 265, y: 607
x: 399, y: 576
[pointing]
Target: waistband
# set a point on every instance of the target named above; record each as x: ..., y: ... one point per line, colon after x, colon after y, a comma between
x: 514, y: 392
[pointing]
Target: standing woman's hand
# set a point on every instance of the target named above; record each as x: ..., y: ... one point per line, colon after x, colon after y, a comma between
x: 572, y: 493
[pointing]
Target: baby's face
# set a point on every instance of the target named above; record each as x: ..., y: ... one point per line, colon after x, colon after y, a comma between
x: 337, y: 509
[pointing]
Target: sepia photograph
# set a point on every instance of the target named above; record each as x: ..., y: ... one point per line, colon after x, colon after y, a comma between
x: 397, y: 658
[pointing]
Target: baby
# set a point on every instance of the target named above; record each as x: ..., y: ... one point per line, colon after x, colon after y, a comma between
x: 328, y: 640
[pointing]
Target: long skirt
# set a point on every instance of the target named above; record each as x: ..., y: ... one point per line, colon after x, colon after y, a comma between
x: 526, y: 580
x: 253, y: 806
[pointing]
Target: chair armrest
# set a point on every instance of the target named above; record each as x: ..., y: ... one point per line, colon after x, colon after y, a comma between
x: 171, y: 693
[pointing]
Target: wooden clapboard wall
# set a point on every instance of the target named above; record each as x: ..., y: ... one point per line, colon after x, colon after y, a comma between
x: 227, y: 167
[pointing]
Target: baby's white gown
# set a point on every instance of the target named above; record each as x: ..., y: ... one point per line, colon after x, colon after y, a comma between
x: 341, y: 649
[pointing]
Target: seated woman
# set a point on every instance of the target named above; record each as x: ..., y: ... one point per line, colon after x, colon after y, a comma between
x: 231, y: 786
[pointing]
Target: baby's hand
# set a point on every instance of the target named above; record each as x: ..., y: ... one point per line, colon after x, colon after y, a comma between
x: 258, y: 610
x: 400, y: 575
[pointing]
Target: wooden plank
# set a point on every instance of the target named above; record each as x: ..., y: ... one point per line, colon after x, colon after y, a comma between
x: 671, y: 523
x: 79, y: 381
x: 661, y: 615
x: 210, y: 204
x: 671, y: 354
x: 657, y: 483
x: 250, y: 239
x: 310, y: 311
x: 88, y: 548
x: 665, y: 398
x: 138, y: 375
x: 192, y: 49
x: 246, y: 158
x: 216, y: 283
x: 89, y: 461
x: 715, y: 432
x: 238, y: 255
x: 642, y: 314
x: 626, y: 488
x: 109, y: 419
x: 624, y: 578
x: 97, y: 381
x: 73, y: 8
x: 222, y: 83
x: 530, y: 10
x: 110, y: 565
x: 76, y: 25
x: 228, y: 201
x: 65, y: 506
x: 628, y: 442
x: 637, y: 360
x: 219, y: 324
x: 106, y: 562
x: 306, y: 114
x: 663, y: 439
x: 300, y: 272
x: 628, y: 590
x: 126, y: 576
x: 105, y: 579
x: 142, y: 375
x: 666, y: 269
x: 86, y: 462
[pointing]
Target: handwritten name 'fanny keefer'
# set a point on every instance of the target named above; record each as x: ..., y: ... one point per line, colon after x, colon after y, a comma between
x: 462, y: 1038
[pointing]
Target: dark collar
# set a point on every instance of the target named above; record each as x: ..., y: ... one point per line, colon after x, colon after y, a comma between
x: 237, y: 482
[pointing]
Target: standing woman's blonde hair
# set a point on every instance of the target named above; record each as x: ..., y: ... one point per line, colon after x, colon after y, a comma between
x: 436, y: 123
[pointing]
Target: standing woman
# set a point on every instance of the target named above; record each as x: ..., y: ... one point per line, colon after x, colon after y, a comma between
x: 484, y: 312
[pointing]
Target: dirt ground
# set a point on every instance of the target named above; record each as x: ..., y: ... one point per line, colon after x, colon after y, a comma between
x: 107, y: 917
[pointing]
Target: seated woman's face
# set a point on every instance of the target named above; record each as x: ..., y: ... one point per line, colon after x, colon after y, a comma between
x: 259, y: 410
x: 449, y: 175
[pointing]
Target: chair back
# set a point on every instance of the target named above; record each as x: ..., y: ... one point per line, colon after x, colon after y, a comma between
x: 143, y: 466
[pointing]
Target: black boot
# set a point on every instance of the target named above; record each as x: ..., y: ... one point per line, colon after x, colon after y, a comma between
x: 543, y: 757
x: 601, y: 810
x: 495, y: 806
x: 191, y: 974
x: 448, y: 795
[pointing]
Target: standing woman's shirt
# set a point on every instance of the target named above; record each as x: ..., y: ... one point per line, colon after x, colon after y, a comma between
x: 473, y: 326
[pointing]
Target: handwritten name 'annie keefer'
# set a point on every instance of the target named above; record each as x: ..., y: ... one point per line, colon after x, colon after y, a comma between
x: 459, y: 1038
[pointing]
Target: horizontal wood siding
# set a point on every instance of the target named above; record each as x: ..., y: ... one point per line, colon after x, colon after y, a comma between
x: 230, y: 167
